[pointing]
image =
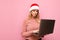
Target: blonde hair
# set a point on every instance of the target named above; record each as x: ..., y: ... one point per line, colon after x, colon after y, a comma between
x: 30, y: 16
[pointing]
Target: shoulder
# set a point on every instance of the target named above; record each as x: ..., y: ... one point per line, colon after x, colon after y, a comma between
x: 26, y: 20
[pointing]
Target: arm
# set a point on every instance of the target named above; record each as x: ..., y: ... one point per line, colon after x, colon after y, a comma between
x: 24, y: 32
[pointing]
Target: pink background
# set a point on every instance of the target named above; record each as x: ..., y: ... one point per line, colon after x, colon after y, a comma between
x: 13, y: 12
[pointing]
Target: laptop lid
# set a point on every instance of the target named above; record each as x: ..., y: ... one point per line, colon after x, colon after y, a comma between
x: 46, y: 26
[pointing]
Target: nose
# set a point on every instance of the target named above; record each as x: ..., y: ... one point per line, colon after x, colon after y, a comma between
x: 35, y: 11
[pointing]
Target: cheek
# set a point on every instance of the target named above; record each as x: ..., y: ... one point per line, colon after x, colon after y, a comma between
x: 36, y: 13
x: 32, y: 13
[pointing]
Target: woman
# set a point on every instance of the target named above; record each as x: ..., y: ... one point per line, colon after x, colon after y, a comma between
x: 31, y: 24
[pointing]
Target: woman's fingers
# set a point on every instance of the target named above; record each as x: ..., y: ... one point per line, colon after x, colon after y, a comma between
x: 35, y: 31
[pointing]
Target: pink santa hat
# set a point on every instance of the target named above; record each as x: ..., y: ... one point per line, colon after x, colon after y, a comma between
x: 34, y: 6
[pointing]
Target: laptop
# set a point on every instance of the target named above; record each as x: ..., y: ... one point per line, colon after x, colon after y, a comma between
x: 46, y: 27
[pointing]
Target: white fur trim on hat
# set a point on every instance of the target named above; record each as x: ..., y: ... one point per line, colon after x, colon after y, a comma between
x: 34, y: 7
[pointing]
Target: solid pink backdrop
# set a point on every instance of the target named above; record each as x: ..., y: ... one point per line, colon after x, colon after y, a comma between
x: 13, y: 12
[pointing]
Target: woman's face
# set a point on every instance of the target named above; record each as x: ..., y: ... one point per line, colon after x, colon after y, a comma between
x: 34, y: 12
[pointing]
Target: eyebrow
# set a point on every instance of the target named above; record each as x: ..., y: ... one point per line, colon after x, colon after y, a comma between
x: 34, y: 10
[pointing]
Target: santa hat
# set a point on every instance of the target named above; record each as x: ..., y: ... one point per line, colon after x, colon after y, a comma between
x: 34, y: 6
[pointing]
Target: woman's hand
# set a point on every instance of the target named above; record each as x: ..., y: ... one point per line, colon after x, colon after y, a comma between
x: 35, y: 31
x: 30, y: 33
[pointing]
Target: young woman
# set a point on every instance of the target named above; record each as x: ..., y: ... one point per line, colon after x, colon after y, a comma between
x: 31, y: 24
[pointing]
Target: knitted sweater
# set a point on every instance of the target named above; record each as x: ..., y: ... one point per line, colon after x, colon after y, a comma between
x: 30, y: 25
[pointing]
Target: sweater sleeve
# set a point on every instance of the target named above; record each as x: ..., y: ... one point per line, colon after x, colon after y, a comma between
x: 24, y: 28
x: 24, y: 32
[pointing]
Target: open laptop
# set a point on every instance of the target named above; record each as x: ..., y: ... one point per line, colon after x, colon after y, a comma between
x: 46, y: 27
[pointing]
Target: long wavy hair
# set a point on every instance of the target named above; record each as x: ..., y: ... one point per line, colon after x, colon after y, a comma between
x: 37, y: 17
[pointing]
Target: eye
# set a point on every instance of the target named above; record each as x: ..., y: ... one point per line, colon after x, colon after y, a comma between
x: 37, y: 10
